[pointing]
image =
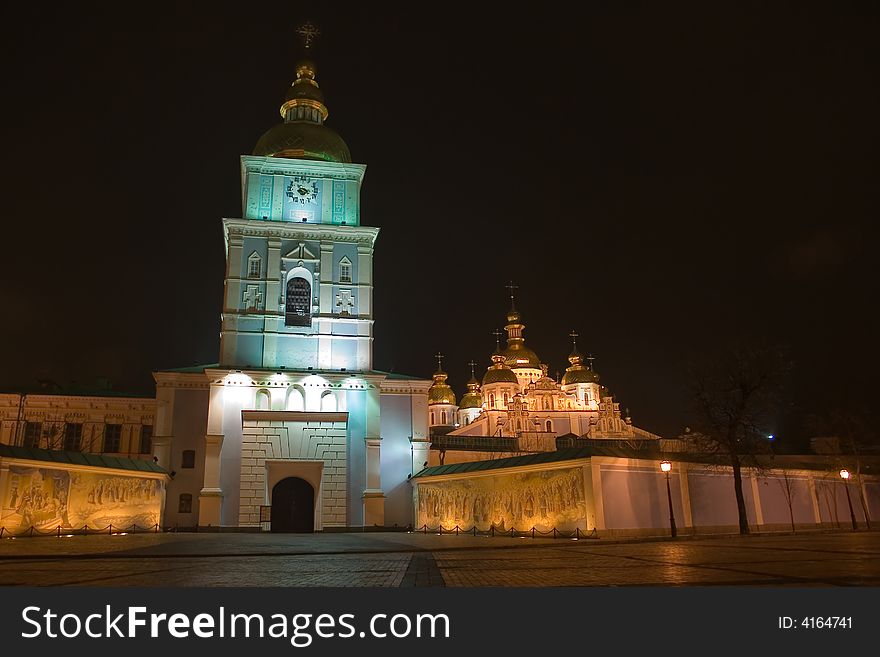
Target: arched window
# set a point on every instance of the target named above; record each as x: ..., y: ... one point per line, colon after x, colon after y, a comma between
x: 345, y: 270
x: 298, y: 306
x: 492, y: 400
x: 262, y: 401
x: 254, y: 265
x: 295, y: 399
x: 549, y: 426
x: 505, y: 399
x: 546, y: 403
x: 328, y: 401
x: 185, y: 503
x: 432, y: 418
x: 443, y: 417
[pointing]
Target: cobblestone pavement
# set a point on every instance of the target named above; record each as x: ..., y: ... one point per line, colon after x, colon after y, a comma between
x: 400, y: 559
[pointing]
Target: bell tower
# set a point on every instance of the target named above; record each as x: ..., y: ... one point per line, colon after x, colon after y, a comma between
x: 298, y: 291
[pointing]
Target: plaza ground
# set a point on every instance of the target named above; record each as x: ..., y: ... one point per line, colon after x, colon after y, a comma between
x: 401, y: 559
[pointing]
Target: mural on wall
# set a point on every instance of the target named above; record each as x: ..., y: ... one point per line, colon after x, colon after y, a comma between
x: 543, y: 500
x: 46, y: 498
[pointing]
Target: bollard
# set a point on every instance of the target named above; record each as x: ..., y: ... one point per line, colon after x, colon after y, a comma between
x: 533, y: 531
x: 554, y: 532
x: 456, y: 530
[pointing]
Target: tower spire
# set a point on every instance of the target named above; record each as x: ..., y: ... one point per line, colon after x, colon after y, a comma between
x: 497, y: 333
x: 511, y: 287
x: 439, y: 357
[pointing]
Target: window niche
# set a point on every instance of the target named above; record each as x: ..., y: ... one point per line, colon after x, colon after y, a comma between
x: 255, y: 265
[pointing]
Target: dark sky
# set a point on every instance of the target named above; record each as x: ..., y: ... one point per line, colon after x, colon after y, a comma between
x: 664, y: 178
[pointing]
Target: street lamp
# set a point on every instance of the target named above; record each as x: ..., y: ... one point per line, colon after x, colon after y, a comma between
x: 666, y: 466
x: 844, y: 474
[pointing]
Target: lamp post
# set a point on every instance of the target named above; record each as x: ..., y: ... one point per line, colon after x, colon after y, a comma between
x: 844, y: 474
x: 666, y: 466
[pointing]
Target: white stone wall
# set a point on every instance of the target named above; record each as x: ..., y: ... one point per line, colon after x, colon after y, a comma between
x: 264, y: 440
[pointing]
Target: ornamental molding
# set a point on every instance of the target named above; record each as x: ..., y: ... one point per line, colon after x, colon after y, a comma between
x: 280, y: 167
x: 364, y: 236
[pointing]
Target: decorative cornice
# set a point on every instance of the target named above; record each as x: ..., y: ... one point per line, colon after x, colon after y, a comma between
x: 361, y: 235
x: 287, y: 167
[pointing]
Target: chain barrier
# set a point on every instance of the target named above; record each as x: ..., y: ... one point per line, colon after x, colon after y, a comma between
x: 85, y: 530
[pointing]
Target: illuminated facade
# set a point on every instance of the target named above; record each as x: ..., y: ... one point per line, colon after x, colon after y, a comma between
x: 294, y: 417
x: 518, y: 400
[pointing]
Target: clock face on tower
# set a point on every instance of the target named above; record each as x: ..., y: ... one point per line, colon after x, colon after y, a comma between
x: 302, y: 190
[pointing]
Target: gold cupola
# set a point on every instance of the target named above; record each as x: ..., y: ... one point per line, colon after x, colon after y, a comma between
x: 517, y: 354
x: 577, y: 372
x: 498, y: 371
x: 440, y: 392
x: 472, y: 398
x: 303, y: 135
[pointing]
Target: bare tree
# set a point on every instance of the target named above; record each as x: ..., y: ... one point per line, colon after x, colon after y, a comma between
x: 734, y: 398
x: 786, y: 482
x: 853, y: 427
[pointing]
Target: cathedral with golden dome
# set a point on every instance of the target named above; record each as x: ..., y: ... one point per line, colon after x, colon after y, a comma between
x: 518, y: 399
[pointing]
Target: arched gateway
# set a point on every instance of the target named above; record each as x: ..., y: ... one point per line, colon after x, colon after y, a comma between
x: 293, y: 506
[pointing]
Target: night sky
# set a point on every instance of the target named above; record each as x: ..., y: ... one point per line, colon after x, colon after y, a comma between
x: 664, y: 179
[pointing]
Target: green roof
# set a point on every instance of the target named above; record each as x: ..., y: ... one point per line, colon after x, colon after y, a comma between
x: 79, y: 458
x: 395, y: 376
x: 192, y: 369
x: 509, y: 462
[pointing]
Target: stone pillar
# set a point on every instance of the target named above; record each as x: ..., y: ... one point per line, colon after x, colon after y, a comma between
x: 374, y: 498
x: 4, y: 478
x: 163, y: 426
x: 688, y: 520
x: 595, y: 481
x: 211, y: 495
x: 756, y: 496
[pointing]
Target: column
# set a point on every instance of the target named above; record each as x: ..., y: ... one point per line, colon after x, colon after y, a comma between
x: 688, y: 520
x: 4, y: 478
x: 163, y: 426
x: 756, y: 495
x: 211, y: 495
x: 374, y: 497
x: 270, y: 302
x: 814, y: 498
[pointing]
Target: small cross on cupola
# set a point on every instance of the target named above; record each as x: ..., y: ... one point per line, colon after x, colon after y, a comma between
x: 511, y: 288
x: 439, y: 357
x: 308, y: 33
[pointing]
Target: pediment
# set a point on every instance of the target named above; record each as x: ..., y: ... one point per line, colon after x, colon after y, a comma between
x: 300, y: 252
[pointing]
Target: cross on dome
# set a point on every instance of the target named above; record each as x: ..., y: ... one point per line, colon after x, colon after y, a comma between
x: 308, y: 32
x: 439, y: 357
x: 511, y: 287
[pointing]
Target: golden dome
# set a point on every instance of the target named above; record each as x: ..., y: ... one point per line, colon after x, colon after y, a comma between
x: 440, y: 392
x: 303, y: 135
x: 302, y: 140
x: 472, y: 398
x: 500, y: 375
x: 579, y: 374
x: 518, y: 355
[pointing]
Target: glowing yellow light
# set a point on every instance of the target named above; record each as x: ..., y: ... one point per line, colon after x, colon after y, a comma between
x: 844, y: 474
x: 666, y: 466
